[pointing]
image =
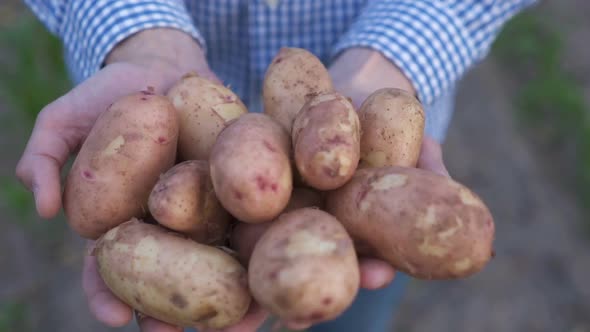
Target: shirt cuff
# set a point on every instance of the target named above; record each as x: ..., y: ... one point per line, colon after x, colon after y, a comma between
x: 424, y: 38
x: 91, y: 29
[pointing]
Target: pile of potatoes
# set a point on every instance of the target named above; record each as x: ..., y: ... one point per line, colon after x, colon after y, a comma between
x: 199, y: 207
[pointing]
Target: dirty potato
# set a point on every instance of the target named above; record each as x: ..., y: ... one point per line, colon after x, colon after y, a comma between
x: 326, y: 141
x: 172, y: 278
x: 184, y: 200
x: 424, y: 224
x: 244, y: 236
x: 204, y: 108
x: 292, y: 76
x: 250, y: 168
x: 392, y: 123
x: 129, y: 146
x: 304, y: 268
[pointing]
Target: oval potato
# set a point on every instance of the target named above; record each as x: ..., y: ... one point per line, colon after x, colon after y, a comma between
x: 424, y: 224
x: 304, y: 268
x: 392, y: 125
x: 171, y: 278
x: 292, y: 76
x: 204, y: 108
x: 127, y: 149
x: 184, y: 200
x: 250, y: 168
x: 326, y: 141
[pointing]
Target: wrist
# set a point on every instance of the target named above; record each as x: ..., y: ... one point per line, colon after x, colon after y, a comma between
x: 166, y: 51
x: 361, y: 71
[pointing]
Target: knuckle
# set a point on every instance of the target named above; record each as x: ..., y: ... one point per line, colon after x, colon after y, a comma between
x: 46, y: 114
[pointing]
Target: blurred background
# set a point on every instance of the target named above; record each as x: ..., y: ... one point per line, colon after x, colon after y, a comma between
x: 520, y: 138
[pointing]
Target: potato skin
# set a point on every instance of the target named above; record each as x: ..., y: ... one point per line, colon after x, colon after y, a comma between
x: 291, y: 77
x: 304, y: 268
x: 184, y: 200
x: 171, y: 278
x: 204, y: 108
x: 244, y: 236
x: 130, y: 145
x: 326, y: 141
x: 424, y: 224
x: 392, y: 123
x: 250, y: 168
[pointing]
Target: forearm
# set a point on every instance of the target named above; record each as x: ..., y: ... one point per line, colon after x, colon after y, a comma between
x: 161, y: 49
x: 358, y: 72
x: 91, y: 29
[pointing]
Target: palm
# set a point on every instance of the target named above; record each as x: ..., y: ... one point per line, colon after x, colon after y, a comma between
x: 63, y: 125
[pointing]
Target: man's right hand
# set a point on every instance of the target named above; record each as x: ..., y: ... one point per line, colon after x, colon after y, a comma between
x: 156, y: 58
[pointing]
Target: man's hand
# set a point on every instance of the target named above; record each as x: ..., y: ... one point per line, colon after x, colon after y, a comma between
x: 357, y: 73
x: 157, y: 58
x: 62, y: 126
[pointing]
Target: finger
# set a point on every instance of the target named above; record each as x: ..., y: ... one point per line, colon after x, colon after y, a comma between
x: 208, y: 74
x: 251, y: 322
x: 148, y: 324
x: 39, y: 167
x: 102, y: 303
x: 431, y: 157
x: 375, y: 273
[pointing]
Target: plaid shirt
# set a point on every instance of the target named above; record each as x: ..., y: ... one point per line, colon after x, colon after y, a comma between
x: 434, y: 42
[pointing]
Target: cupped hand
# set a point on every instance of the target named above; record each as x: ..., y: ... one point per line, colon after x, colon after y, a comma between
x: 61, y: 127
x: 357, y: 73
x: 139, y: 62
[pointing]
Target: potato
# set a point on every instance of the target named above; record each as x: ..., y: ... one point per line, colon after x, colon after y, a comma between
x: 250, y: 168
x: 129, y: 146
x: 326, y: 141
x: 304, y: 268
x: 172, y: 278
x: 244, y: 236
x: 204, y: 108
x: 424, y: 224
x: 392, y: 123
x: 291, y: 77
x: 184, y: 200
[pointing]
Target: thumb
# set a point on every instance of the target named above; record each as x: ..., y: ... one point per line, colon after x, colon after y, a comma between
x: 40, y: 165
x: 431, y: 157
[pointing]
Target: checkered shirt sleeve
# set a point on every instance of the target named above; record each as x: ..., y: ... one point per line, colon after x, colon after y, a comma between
x: 90, y: 29
x: 434, y: 42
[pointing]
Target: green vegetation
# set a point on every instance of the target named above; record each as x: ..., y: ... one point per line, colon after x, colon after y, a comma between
x: 32, y: 68
x: 13, y: 317
x: 548, y: 97
x: 32, y: 75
